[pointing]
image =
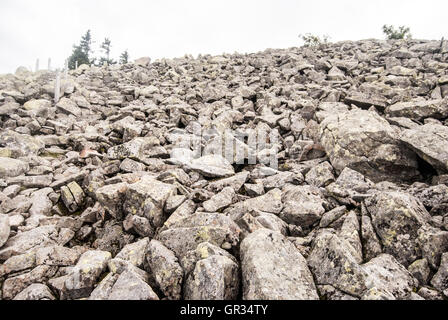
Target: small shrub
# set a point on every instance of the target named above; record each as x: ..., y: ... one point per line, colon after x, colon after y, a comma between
x: 402, y: 32
x: 311, y: 40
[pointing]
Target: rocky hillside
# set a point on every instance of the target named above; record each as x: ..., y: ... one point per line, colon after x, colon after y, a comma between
x: 102, y: 198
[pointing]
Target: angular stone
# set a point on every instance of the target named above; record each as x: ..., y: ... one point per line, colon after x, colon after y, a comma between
x: 85, y: 274
x: 365, y: 142
x: 12, y: 167
x: 185, y: 234
x: 213, y: 278
x: 220, y: 201
x: 430, y: 142
x: 147, y: 198
x: 397, y: 217
x: 213, y: 166
x: 166, y: 270
x: 303, y: 205
x: 273, y: 269
x: 130, y: 286
x: 36, y: 291
x: 111, y: 197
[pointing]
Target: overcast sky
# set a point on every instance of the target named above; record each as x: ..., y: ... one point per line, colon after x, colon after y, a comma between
x: 172, y: 28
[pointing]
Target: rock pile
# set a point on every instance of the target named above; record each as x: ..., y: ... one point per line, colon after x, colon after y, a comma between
x: 100, y: 197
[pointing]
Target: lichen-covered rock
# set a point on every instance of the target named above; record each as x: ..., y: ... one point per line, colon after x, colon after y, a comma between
x: 365, y: 142
x: 273, y: 269
x: 147, y: 198
x: 397, y: 217
x: 84, y: 275
x: 440, y: 279
x: 303, y: 205
x: 185, y: 234
x: 166, y: 270
x: 420, y: 271
x: 332, y: 262
x: 385, y: 273
x: 213, y: 278
x: 112, y: 197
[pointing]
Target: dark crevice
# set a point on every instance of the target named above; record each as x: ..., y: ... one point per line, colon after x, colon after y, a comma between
x: 426, y: 170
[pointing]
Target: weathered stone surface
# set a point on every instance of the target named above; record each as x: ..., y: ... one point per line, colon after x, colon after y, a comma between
x: 220, y: 200
x: 419, y: 110
x: 213, y: 278
x: 12, y: 167
x: 147, y: 198
x: 273, y: 269
x: 112, y: 197
x: 303, y: 205
x: 430, y: 142
x: 129, y: 286
x: 85, y: 274
x: 185, y: 234
x: 365, y: 142
x: 331, y: 261
x: 36, y: 291
x: 4, y: 229
x: 212, y: 166
x: 166, y: 270
x: 24, y: 241
x: 397, y: 217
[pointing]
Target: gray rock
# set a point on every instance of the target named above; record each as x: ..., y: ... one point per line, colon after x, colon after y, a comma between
x: 185, y: 234
x: 4, y: 229
x: 12, y: 167
x: 166, y: 270
x: 213, y: 278
x: 85, y: 274
x: 111, y: 197
x: 440, y: 279
x: 420, y: 271
x: 273, y: 269
x: 147, y: 198
x: 430, y: 142
x: 433, y: 243
x: 419, y: 110
x: 385, y: 273
x: 331, y: 261
x: 320, y: 175
x: 36, y: 291
x: 14, y: 285
x: 213, y: 166
x: 24, y: 241
x: 303, y: 205
x: 397, y: 217
x: 365, y: 142
x: 130, y: 286
x: 220, y: 201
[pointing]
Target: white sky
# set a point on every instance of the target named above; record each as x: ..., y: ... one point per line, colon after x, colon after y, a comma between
x: 171, y: 28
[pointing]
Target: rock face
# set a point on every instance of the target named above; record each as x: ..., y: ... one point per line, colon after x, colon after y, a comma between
x: 364, y: 141
x: 430, y: 142
x: 267, y: 270
x: 301, y: 173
